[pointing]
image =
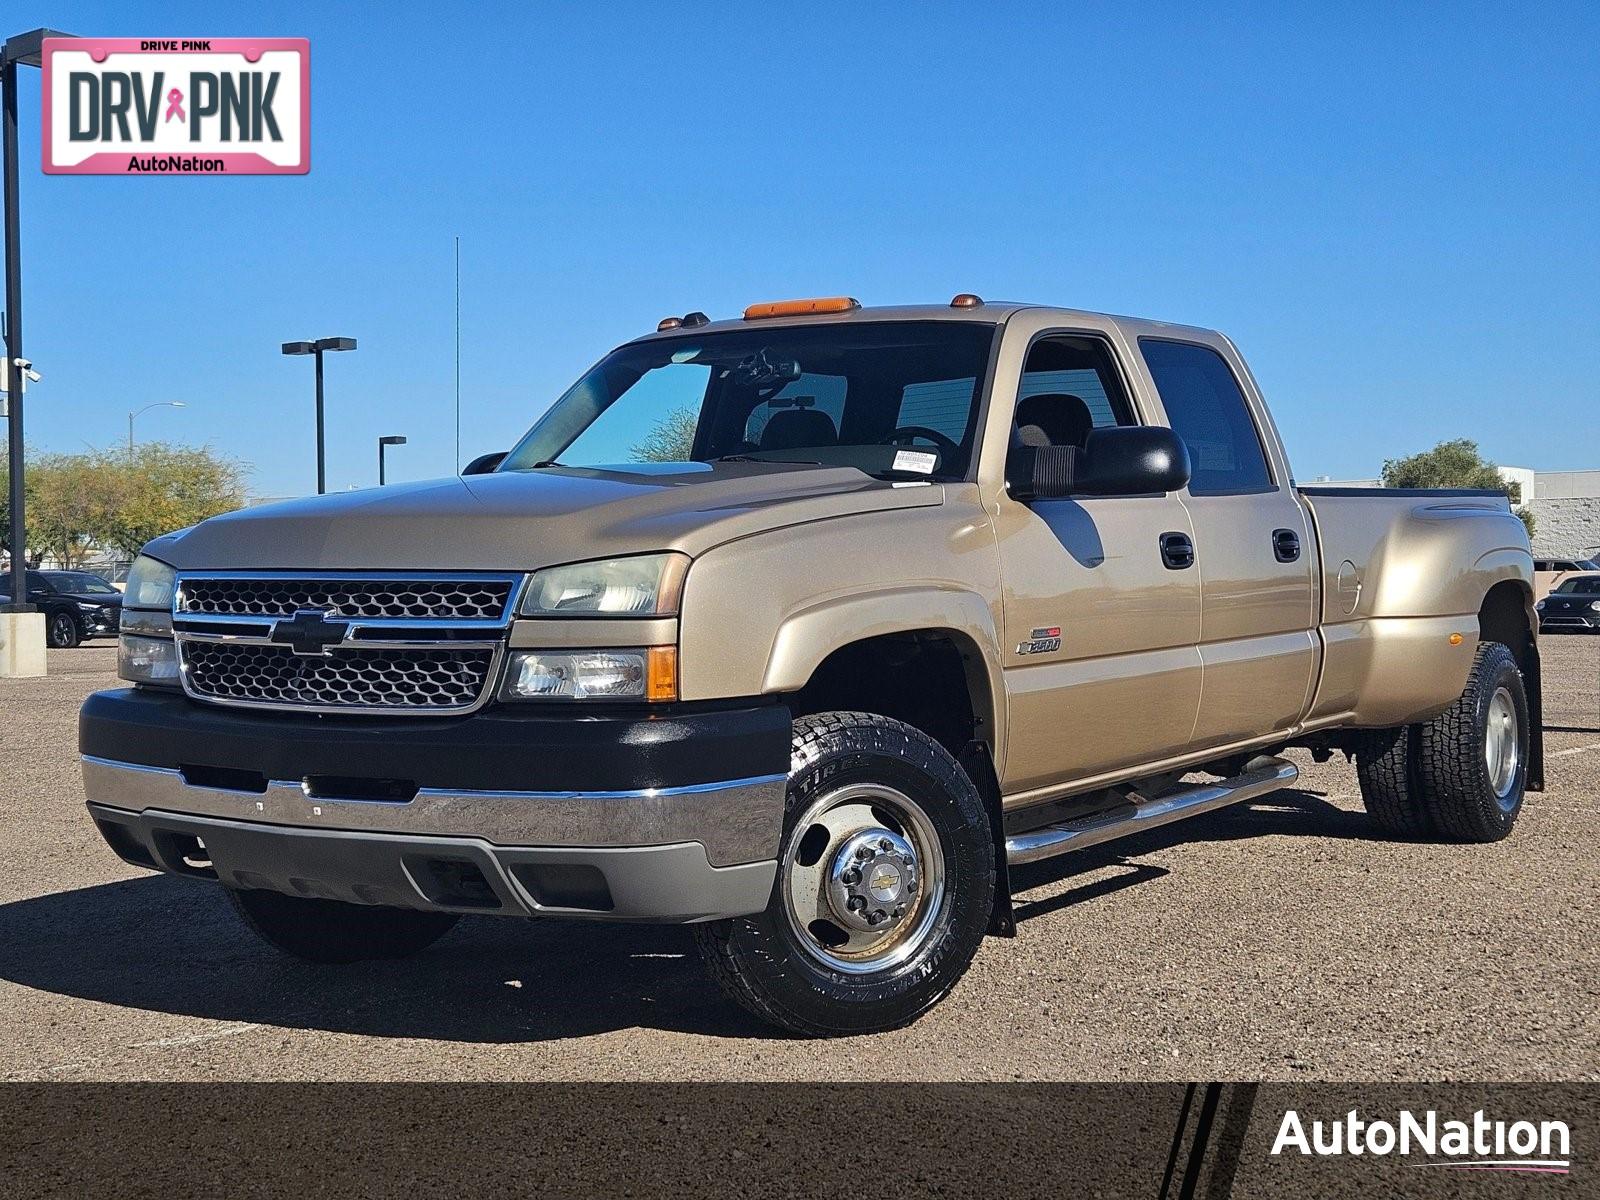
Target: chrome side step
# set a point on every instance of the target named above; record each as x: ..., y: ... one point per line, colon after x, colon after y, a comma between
x: 1260, y: 776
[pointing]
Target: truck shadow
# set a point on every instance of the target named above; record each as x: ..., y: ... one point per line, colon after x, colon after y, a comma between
x: 173, y: 945
x: 1289, y: 813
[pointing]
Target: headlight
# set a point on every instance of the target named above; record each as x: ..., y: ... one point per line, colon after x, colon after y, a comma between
x: 1595, y: 607
x: 147, y: 660
x: 150, y: 584
x: 648, y: 585
x: 1539, y: 607
x: 648, y: 674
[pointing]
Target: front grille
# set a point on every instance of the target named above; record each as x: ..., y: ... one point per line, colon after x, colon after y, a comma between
x: 396, y: 599
x: 442, y: 680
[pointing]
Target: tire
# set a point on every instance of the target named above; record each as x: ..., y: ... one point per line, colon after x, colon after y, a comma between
x: 63, y: 631
x: 1385, y: 769
x: 1471, y: 792
x: 331, y: 931
x: 869, y: 791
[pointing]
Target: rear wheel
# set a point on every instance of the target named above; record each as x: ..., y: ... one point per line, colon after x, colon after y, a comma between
x: 331, y: 931
x: 1461, y: 775
x: 1472, y: 759
x: 1384, y: 767
x: 64, y: 631
x: 884, y: 889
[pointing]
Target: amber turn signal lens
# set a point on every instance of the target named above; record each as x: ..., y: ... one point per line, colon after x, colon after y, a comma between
x: 1455, y: 639
x: 661, y: 673
x: 800, y: 308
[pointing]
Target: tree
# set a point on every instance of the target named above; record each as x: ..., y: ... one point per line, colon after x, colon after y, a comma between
x: 166, y: 487
x: 1454, y: 464
x: 78, y: 503
x: 671, y: 439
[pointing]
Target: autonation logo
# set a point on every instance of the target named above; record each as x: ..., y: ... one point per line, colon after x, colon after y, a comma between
x: 1478, y: 1144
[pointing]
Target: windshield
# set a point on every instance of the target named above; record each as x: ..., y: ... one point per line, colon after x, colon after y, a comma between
x: 1589, y: 585
x: 895, y: 399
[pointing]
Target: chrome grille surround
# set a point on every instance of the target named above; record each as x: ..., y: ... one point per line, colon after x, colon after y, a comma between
x: 413, y: 644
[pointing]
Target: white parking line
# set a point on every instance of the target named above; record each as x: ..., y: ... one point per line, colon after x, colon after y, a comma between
x: 193, y: 1038
x: 1571, y: 750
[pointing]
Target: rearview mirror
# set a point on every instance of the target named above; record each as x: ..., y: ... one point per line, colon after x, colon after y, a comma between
x: 485, y: 464
x: 1129, y: 460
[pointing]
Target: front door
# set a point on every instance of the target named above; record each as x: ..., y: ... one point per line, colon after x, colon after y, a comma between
x: 1100, y: 630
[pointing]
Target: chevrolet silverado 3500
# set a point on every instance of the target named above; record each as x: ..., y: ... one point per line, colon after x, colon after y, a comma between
x: 802, y: 628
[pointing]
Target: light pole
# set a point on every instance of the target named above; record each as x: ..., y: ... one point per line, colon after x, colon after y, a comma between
x: 383, y: 444
x: 145, y: 409
x: 21, y: 632
x: 317, y: 348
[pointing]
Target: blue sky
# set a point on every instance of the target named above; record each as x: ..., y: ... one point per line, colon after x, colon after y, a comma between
x: 1396, y: 214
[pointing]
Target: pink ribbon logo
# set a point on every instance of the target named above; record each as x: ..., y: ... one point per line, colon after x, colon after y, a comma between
x: 174, y: 106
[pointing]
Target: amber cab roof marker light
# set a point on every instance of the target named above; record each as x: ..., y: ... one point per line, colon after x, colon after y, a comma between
x: 667, y: 323
x: 800, y: 308
x: 966, y: 300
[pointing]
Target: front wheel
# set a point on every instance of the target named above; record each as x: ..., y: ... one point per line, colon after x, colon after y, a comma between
x: 64, y: 631
x: 885, y: 884
x: 331, y: 931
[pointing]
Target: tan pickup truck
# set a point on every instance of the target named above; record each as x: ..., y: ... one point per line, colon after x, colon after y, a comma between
x: 803, y: 628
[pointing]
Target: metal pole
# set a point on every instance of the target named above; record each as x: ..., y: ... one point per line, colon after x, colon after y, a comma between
x: 19, y: 526
x: 322, y: 477
x: 382, y: 446
x: 130, y: 435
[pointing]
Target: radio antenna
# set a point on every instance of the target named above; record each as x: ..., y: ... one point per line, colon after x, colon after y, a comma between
x: 458, y: 354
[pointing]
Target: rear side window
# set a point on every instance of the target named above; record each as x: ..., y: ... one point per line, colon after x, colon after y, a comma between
x: 1208, y: 411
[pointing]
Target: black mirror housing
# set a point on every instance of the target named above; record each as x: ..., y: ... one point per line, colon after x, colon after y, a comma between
x: 1128, y: 460
x: 485, y: 464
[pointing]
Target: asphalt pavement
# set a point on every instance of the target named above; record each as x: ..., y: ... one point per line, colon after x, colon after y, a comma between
x: 1281, y: 940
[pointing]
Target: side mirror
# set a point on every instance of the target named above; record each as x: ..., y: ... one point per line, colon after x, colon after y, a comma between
x: 485, y: 464
x: 1129, y: 460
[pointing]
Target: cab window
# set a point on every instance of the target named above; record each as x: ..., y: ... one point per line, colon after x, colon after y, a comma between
x: 1208, y: 411
x: 1069, y: 386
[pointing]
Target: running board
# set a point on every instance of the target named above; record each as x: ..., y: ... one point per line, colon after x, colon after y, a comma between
x: 1260, y: 776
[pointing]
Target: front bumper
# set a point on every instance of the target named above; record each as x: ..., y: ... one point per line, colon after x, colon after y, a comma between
x: 655, y: 817
x: 1587, y: 622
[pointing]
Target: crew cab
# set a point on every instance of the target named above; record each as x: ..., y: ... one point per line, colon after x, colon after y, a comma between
x: 803, y: 628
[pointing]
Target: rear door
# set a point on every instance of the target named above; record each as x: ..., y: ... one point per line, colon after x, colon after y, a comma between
x: 1253, y: 545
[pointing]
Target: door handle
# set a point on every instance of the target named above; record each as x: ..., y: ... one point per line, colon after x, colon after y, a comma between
x: 1177, y: 551
x: 1286, y: 545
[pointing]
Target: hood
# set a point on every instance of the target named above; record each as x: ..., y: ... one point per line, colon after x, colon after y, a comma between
x: 521, y: 520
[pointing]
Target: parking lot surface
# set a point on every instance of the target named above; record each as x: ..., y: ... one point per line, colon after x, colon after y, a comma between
x: 1280, y: 940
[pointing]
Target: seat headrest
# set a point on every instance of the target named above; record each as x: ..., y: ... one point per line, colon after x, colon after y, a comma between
x: 1054, y: 419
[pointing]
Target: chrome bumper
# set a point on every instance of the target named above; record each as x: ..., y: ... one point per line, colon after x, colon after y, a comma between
x: 660, y: 854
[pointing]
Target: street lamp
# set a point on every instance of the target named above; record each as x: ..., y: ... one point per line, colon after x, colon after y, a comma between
x: 21, y: 628
x: 145, y: 409
x: 383, y: 444
x: 317, y: 348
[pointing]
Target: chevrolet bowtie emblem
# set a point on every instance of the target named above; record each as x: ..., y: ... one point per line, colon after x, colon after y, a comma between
x: 311, y: 631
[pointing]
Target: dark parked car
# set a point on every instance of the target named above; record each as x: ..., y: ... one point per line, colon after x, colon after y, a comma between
x: 76, y: 605
x: 1573, y: 605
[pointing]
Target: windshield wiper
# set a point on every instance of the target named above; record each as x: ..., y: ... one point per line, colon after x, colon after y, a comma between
x: 804, y: 462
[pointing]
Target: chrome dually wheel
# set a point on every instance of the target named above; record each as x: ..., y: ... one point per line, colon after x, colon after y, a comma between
x: 1502, y: 747
x: 863, y: 878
